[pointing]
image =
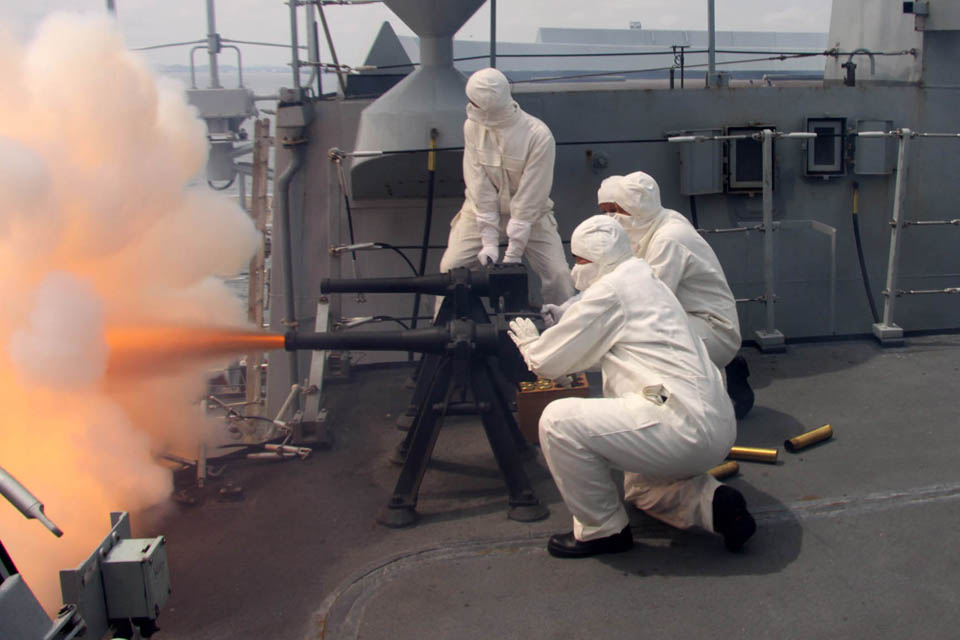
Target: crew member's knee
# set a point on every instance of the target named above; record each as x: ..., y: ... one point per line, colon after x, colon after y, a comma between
x: 555, y: 419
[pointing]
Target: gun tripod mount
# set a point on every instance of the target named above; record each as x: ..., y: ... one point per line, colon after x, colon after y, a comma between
x: 462, y: 359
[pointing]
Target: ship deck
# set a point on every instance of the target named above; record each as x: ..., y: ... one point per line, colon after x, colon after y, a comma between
x: 857, y: 535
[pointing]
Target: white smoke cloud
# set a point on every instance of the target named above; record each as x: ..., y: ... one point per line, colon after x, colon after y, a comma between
x: 63, y: 344
x: 99, y: 228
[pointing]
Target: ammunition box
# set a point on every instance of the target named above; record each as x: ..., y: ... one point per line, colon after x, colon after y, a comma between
x: 533, y: 398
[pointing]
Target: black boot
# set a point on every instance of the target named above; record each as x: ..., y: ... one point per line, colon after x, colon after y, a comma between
x: 564, y: 545
x: 738, y: 388
x: 731, y: 518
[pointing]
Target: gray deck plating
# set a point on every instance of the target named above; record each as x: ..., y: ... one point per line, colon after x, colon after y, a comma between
x: 857, y: 535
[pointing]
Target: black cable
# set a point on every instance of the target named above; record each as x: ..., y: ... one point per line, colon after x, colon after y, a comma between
x: 378, y: 319
x: 165, y: 46
x: 224, y: 187
x: 610, y: 54
x: 417, y: 246
x: 427, y: 223
x: 391, y: 319
x: 346, y: 200
x: 559, y: 144
x: 633, y: 141
x: 863, y: 265
x: 257, y: 418
x: 418, y: 318
x: 664, y: 52
x: 781, y: 57
x: 604, y: 54
x: 598, y: 74
x: 614, y: 54
x: 260, y: 44
x: 693, y: 212
x: 386, y: 245
x: 426, y: 150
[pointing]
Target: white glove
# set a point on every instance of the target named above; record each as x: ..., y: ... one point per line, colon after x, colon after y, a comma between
x: 489, y: 254
x: 564, y: 381
x: 551, y: 314
x: 518, y: 232
x: 490, y: 237
x: 523, y: 332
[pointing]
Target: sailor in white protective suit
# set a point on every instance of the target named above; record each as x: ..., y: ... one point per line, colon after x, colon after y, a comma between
x: 508, y: 170
x: 684, y: 261
x: 606, y: 195
x: 664, y: 418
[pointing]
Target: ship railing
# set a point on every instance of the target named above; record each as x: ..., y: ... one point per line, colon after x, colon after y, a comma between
x: 770, y: 339
x: 887, y: 331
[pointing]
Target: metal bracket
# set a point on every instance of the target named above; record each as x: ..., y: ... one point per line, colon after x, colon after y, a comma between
x: 889, y: 335
x: 770, y: 341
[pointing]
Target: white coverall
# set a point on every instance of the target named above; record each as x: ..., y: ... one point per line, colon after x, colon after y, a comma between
x: 682, y: 260
x: 665, y: 417
x: 508, y: 170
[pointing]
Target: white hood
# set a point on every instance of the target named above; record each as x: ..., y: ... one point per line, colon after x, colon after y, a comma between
x: 601, y: 240
x: 489, y: 90
x: 640, y: 197
x: 609, y: 190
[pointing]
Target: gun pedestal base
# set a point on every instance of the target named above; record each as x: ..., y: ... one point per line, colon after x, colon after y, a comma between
x: 528, y: 512
x: 405, y: 421
x: 444, y: 383
x: 397, y: 517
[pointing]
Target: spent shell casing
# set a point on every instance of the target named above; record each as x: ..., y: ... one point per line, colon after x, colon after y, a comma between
x: 806, y: 439
x: 725, y: 470
x: 753, y: 454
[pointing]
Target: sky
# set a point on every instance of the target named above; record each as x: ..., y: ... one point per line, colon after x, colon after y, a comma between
x: 151, y: 22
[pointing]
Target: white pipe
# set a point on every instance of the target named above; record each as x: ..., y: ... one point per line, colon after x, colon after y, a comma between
x: 711, y: 43
x: 768, y: 227
x: 212, y: 45
x: 294, y: 45
x: 896, y: 235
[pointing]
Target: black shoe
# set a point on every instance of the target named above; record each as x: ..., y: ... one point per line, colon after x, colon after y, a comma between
x: 738, y: 388
x: 731, y: 518
x: 564, y: 545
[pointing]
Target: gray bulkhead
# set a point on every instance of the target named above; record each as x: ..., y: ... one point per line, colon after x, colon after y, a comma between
x: 392, y: 206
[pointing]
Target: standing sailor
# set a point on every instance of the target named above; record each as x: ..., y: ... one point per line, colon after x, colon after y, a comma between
x: 664, y: 418
x: 508, y: 170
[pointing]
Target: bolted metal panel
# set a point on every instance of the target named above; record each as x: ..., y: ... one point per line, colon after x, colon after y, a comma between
x: 136, y: 581
x: 701, y: 164
x: 21, y: 616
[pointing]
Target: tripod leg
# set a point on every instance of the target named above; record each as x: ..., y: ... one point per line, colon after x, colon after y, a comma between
x: 527, y: 452
x: 524, y: 505
x: 428, y: 371
x: 401, y: 509
x: 424, y: 375
x: 428, y: 365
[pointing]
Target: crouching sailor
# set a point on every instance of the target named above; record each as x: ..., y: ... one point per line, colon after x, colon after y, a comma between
x: 665, y: 417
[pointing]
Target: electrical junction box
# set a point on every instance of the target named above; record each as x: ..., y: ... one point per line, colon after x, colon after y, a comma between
x: 223, y: 103
x: 874, y: 156
x: 136, y: 579
x: 934, y: 15
x: 825, y: 155
x: 745, y: 159
x: 701, y: 163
